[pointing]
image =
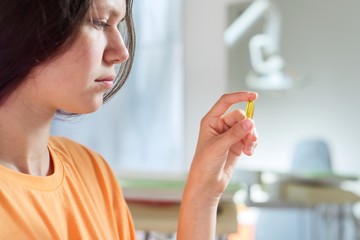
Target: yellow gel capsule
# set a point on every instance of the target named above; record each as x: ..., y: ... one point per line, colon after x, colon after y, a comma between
x: 250, y: 109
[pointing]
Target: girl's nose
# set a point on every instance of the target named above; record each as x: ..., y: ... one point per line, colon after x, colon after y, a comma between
x: 116, y: 50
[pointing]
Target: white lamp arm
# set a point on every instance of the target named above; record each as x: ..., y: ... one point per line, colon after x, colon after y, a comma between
x: 241, y: 25
x: 261, y: 60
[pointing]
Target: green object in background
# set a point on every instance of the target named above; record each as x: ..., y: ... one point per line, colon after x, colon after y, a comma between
x: 142, y: 189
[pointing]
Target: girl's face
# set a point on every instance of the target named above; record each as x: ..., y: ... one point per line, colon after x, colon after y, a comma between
x: 76, y: 80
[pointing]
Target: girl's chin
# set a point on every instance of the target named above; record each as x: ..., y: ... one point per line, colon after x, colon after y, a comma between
x: 81, y: 109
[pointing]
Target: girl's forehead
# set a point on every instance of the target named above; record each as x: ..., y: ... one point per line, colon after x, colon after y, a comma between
x: 113, y: 7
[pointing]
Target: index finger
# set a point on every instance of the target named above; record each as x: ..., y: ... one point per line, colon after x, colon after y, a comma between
x: 229, y: 99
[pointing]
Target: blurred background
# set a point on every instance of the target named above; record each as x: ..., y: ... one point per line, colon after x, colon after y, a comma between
x: 184, y: 63
x: 319, y: 43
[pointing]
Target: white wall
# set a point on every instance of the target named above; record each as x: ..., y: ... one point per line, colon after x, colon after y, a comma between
x: 205, y: 67
x: 320, y: 39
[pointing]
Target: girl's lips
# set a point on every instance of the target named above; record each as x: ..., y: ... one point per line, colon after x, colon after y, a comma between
x: 106, y: 79
x: 107, y: 82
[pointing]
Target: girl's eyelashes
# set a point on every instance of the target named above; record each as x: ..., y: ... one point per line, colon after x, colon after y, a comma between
x: 100, y: 24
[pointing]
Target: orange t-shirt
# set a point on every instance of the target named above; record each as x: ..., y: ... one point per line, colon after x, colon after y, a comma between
x: 80, y: 200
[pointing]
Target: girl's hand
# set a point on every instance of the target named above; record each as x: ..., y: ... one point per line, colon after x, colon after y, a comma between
x: 223, y: 137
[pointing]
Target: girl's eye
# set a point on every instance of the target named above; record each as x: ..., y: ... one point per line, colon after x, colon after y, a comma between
x: 100, y: 24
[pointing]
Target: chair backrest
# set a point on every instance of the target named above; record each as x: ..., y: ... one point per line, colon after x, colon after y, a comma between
x: 311, y: 155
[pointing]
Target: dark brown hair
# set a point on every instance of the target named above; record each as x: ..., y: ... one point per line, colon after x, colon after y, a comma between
x: 34, y: 31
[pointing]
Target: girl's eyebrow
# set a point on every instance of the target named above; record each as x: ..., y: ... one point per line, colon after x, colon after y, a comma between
x: 114, y: 12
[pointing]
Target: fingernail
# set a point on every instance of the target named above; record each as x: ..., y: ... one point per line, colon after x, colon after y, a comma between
x: 247, y: 124
x: 251, y: 150
x: 255, y: 133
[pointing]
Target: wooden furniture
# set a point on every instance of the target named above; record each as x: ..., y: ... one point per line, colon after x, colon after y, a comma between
x: 164, y: 217
x: 154, y: 204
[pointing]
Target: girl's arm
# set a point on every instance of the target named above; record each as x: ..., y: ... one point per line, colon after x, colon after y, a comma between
x: 223, y: 137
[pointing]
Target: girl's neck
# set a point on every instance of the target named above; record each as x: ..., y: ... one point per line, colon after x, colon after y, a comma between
x: 24, y: 132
